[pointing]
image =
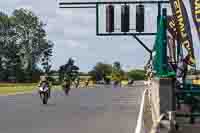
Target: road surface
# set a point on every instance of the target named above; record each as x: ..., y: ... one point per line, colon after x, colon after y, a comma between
x: 91, y: 110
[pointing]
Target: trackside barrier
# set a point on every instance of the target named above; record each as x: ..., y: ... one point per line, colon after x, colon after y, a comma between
x: 148, y: 121
x: 140, y: 121
x: 91, y: 86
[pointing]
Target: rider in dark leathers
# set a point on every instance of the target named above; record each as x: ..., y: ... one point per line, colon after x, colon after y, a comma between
x: 66, y: 85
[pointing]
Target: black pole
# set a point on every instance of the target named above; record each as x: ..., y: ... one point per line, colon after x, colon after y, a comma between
x: 97, y: 19
x: 74, y: 7
x: 114, y: 2
x: 142, y: 44
x: 159, y: 15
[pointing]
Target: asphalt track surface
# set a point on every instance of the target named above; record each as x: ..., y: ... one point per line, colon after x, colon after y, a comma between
x: 86, y: 110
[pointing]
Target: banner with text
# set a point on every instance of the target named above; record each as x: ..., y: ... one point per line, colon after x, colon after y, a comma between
x: 183, y: 28
x: 195, y: 7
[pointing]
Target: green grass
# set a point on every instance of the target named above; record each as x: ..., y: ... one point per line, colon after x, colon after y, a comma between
x: 17, y: 84
x: 16, y: 88
x: 12, y: 88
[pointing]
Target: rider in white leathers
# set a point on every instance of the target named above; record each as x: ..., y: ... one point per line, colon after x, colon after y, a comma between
x: 45, y: 83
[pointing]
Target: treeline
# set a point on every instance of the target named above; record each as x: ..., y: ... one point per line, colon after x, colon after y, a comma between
x: 114, y: 72
x: 100, y: 72
x: 23, y: 45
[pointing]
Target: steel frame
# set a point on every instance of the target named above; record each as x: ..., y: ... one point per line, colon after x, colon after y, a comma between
x: 95, y: 5
x: 114, y: 2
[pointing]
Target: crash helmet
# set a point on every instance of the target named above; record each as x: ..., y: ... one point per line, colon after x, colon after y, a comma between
x: 44, y: 78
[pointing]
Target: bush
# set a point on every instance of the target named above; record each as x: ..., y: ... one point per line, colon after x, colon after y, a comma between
x: 17, y: 84
x: 137, y: 75
x: 54, y: 81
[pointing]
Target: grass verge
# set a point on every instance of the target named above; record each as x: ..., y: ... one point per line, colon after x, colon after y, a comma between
x: 6, y: 89
x: 18, y: 88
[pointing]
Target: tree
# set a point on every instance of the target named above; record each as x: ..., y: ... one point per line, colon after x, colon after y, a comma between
x: 100, y: 71
x: 3, y: 36
x: 13, y: 62
x: 117, y: 65
x: 83, y: 74
x: 23, y: 44
x: 136, y: 74
x: 117, y: 72
x: 69, y: 71
x: 9, y: 49
x: 47, y: 53
x: 2, y: 71
x: 31, y: 37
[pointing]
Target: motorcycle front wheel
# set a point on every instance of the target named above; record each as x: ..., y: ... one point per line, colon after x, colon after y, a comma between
x: 66, y: 90
x: 44, y: 97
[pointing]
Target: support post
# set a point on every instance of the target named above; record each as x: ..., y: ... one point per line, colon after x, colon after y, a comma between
x: 97, y: 19
x: 142, y: 44
x: 159, y: 15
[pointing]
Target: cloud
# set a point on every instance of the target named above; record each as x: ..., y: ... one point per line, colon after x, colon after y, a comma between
x: 28, y: 7
x: 72, y: 44
x: 74, y: 33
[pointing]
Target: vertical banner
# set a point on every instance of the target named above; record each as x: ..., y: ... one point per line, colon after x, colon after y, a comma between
x: 183, y: 28
x: 171, y: 26
x: 172, y: 37
x: 171, y: 48
x: 195, y: 7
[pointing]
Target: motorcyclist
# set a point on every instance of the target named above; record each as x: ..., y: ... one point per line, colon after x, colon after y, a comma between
x: 66, y: 82
x: 66, y: 85
x: 44, y: 82
x: 130, y: 82
x: 87, y: 83
x: 77, y: 82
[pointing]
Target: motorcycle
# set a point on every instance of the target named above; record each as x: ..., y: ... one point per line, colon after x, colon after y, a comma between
x: 44, y: 94
x: 130, y: 82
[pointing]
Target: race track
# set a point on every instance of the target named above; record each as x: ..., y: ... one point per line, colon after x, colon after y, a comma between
x: 86, y: 110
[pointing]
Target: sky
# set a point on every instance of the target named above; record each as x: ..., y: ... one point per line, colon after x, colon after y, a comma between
x: 74, y: 33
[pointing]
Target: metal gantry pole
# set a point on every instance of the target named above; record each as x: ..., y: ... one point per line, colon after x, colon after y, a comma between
x: 159, y: 15
x: 97, y: 19
x: 112, y: 2
x: 96, y: 6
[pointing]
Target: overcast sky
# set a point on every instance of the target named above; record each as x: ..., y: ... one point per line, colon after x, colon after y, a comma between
x: 74, y: 35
